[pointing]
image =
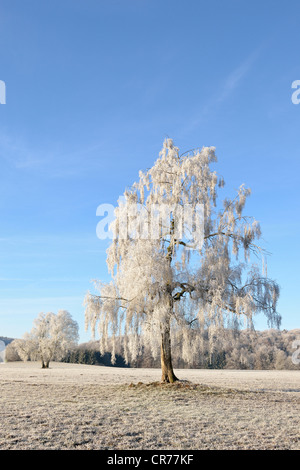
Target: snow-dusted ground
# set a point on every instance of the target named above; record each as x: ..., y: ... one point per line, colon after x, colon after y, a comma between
x: 74, y: 406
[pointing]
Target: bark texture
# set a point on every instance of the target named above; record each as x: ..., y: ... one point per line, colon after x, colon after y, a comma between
x: 167, y: 372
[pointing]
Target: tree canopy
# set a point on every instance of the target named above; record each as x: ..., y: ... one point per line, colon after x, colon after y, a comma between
x: 50, y: 338
x: 181, y: 263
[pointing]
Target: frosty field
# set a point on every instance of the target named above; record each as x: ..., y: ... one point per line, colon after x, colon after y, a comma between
x: 74, y: 406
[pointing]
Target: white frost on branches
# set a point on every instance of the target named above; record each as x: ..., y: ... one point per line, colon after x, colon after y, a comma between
x: 164, y: 282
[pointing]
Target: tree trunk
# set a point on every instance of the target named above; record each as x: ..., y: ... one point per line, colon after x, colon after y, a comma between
x: 167, y: 372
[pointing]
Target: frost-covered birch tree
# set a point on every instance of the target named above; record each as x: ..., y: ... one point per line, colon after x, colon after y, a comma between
x: 50, y: 338
x: 174, y: 277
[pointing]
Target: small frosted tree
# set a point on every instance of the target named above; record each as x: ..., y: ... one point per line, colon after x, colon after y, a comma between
x: 171, y: 283
x: 50, y: 338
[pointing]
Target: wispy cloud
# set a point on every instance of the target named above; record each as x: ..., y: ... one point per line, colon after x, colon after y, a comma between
x: 25, y: 306
x: 16, y: 152
x: 234, y: 79
x: 56, y: 160
x: 225, y: 90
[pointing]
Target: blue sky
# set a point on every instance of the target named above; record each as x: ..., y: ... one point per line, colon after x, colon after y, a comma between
x: 94, y: 87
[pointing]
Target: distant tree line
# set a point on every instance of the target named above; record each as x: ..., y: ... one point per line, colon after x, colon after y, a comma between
x: 232, y: 349
x: 245, y: 349
x: 83, y: 355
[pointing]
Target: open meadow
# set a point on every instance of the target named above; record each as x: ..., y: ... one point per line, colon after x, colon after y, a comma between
x: 74, y: 406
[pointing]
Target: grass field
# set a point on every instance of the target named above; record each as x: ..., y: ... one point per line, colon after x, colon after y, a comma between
x: 74, y: 406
